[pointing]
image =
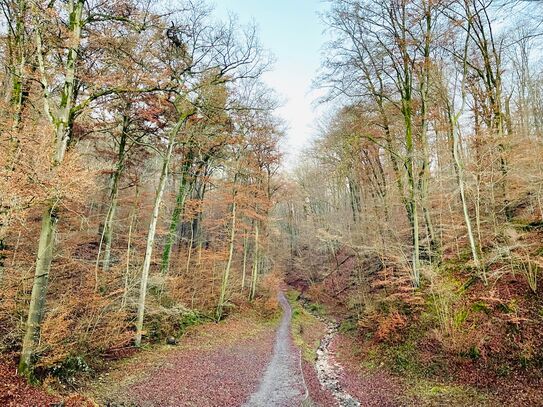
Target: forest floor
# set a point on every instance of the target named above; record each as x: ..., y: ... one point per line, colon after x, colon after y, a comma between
x: 15, y: 391
x: 213, y: 365
x: 245, y: 361
x: 357, y: 376
x: 301, y: 359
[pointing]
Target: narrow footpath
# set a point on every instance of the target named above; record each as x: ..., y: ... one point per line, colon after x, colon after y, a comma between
x: 241, y: 362
x: 282, y: 384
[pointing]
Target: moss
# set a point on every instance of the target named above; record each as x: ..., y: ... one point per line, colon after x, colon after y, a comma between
x: 503, y: 370
x: 402, y: 358
x: 472, y: 353
x: 481, y: 306
x: 164, y: 322
x: 66, y: 370
x: 508, y: 308
x: 302, y: 322
x: 433, y: 393
x: 316, y: 308
x: 525, y: 225
x: 348, y: 325
x: 460, y: 317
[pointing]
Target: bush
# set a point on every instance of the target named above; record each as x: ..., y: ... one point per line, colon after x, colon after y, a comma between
x: 69, y: 368
x: 162, y: 322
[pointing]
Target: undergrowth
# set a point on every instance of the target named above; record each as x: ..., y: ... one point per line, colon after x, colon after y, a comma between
x: 305, y: 327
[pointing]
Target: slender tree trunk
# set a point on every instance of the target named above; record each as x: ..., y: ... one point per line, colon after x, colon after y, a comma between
x: 2, y: 256
x: 152, y: 229
x: 244, y: 264
x: 129, y: 250
x: 190, y: 248
x: 63, y: 123
x: 256, y: 255
x: 177, y: 214
x: 15, y: 93
x: 424, y: 175
x: 226, y: 274
x: 459, y: 171
x: 412, y: 189
x: 17, y: 44
x: 114, y: 195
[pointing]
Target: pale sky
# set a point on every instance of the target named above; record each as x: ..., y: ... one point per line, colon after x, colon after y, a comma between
x: 292, y: 31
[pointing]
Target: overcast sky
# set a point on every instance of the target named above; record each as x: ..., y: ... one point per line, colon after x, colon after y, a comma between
x: 292, y: 31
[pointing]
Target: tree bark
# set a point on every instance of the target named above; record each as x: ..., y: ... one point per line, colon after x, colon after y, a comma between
x: 114, y: 195
x: 226, y: 274
x: 63, y: 128
x: 244, y: 264
x: 256, y: 254
x: 39, y: 291
x: 152, y: 228
x: 177, y: 214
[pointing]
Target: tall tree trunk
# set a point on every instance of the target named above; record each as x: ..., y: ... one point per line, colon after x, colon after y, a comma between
x: 152, y: 228
x: 177, y: 214
x: 2, y: 254
x: 459, y: 170
x: 412, y: 189
x: 17, y: 48
x: 244, y: 264
x: 133, y: 215
x: 256, y: 256
x: 190, y: 248
x: 39, y: 291
x: 424, y: 174
x: 15, y: 94
x: 63, y: 131
x: 226, y: 274
x: 114, y: 196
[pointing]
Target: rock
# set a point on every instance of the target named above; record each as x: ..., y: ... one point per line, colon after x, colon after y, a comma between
x: 328, y: 369
x: 171, y: 340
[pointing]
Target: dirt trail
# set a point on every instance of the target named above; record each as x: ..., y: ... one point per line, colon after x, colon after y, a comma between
x: 214, y: 365
x: 283, y: 382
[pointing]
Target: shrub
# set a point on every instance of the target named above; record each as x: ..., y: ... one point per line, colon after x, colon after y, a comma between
x: 66, y: 370
x: 162, y: 322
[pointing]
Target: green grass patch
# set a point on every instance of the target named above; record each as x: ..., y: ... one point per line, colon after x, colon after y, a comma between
x: 348, y: 325
x: 432, y: 393
x: 303, y: 322
x: 481, y: 306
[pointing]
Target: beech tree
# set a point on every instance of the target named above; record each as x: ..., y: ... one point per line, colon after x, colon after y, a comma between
x: 116, y: 84
x: 203, y: 56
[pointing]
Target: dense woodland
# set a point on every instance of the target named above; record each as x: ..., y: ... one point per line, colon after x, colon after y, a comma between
x: 141, y: 186
x: 422, y: 193
x: 139, y: 155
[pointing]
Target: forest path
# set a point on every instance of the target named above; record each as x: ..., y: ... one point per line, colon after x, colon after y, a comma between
x: 214, y: 365
x: 283, y: 382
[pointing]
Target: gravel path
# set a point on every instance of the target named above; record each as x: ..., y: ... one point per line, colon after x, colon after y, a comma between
x: 282, y: 384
